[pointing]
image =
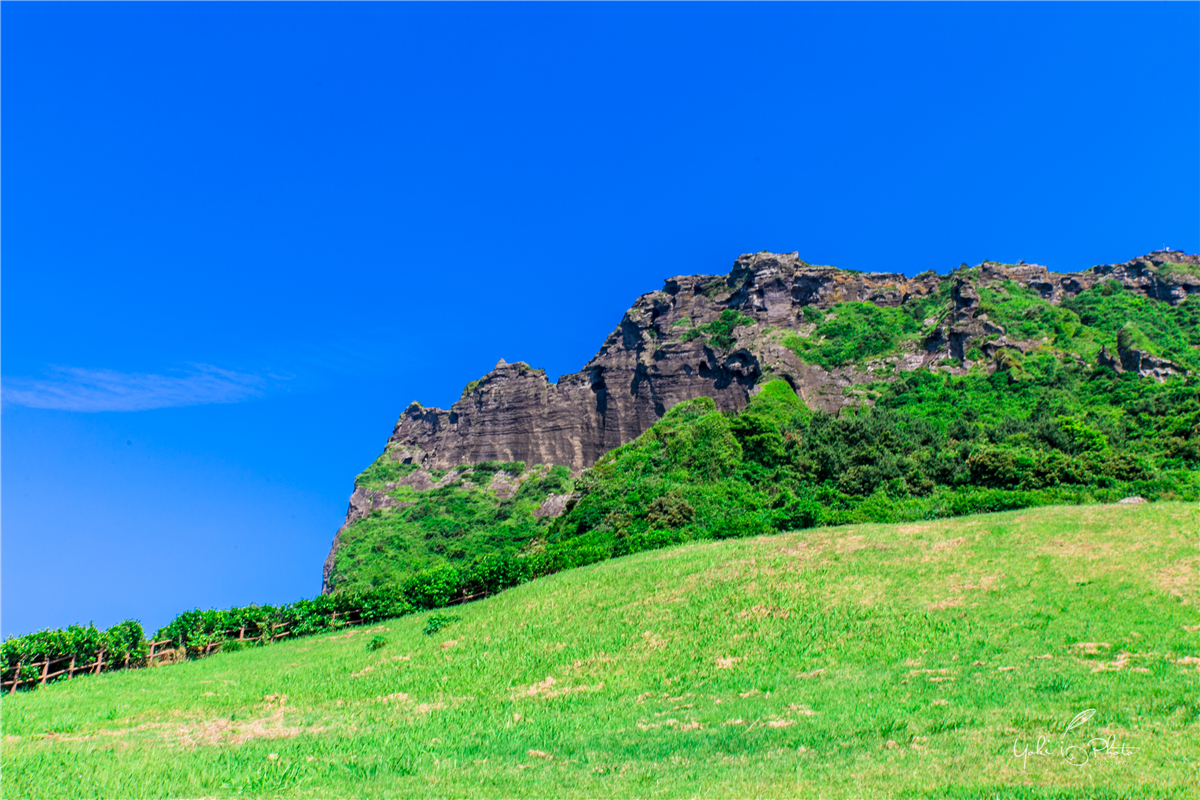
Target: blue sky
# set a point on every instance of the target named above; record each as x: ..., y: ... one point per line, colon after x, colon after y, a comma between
x: 239, y: 239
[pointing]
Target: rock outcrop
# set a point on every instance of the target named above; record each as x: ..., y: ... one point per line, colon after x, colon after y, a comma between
x: 1131, y: 359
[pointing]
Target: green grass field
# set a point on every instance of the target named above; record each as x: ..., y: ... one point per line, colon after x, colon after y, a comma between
x: 861, y: 661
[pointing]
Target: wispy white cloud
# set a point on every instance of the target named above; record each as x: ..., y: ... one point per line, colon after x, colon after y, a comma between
x: 289, y: 366
x: 76, y: 389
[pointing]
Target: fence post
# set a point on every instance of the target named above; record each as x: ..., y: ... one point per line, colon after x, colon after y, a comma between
x: 99, y: 661
x: 71, y: 669
x: 16, y: 677
x: 45, y: 669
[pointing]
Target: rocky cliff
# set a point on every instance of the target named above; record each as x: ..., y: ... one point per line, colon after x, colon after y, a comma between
x: 669, y: 347
x: 716, y: 336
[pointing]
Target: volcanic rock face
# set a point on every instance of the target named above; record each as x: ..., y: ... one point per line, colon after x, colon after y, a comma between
x: 648, y: 364
x: 655, y: 359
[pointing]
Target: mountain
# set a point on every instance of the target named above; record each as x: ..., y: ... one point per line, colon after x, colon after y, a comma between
x: 835, y: 337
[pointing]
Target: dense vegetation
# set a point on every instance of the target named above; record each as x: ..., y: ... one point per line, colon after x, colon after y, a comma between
x: 909, y: 661
x: 931, y: 446
x: 855, y: 332
x: 464, y: 522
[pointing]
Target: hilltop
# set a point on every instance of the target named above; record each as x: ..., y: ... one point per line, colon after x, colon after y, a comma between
x: 869, y: 660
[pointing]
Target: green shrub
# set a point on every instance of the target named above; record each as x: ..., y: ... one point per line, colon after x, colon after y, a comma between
x: 993, y: 468
x: 438, y: 621
x: 719, y: 333
x: 1131, y: 337
x: 669, y: 512
x: 122, y: 643
x: 383, y: 471
x: 853, y: 332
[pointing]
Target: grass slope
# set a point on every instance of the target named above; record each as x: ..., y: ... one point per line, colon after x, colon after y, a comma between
x: 860, y: 661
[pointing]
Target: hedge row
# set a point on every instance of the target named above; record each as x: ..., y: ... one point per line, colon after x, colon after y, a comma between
x: 197, y: 631
x: 122, y: 643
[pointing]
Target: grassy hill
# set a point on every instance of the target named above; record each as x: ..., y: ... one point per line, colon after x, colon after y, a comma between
x: 857, y: 661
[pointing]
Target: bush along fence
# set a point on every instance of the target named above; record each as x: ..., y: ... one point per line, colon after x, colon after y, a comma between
x: 36, y: 659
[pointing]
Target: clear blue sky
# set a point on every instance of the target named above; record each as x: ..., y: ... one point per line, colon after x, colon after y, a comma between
x: 239, y: 239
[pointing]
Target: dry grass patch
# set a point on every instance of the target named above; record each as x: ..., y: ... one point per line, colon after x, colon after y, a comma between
x: 763, y: 612
x: 947, y: 544
x: 987, y: 583
x: 550, y: 688
x: 235, y: 732
x: 859, y: 590
x: 1180, y: 579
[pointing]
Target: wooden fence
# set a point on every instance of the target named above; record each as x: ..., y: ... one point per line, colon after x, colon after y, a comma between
x: 167, y: 651
x: 161, y: 652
